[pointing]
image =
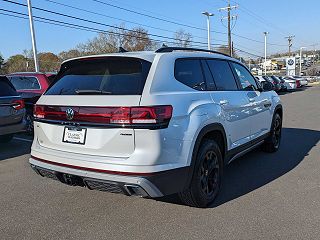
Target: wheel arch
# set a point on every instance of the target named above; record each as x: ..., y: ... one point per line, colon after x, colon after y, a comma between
x: 213, y: 131
x: 279, y: 109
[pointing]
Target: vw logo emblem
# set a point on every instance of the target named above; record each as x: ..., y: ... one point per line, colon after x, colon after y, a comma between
x: 290, y: 62
x: 69, y: 114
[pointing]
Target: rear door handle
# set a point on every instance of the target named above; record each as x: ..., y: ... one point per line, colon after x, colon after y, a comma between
x: 224, y: 102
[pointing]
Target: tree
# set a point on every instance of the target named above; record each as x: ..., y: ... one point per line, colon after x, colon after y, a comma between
x: 136, y: 39
x: 182, y: 38
x: 102, y: 43
x: 1, y: 63
x: 73, y: 53
x: 225, y: 49
x: 49, y: 62
x: 16, y: 63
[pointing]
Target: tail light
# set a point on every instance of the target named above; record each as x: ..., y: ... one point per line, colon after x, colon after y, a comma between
x: 135, y: 117
x: 18, y: 104
x: 298, y: 83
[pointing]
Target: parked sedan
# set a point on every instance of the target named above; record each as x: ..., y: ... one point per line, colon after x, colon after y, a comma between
x: 12, y: 111
x: 303, y: 80
x: 291, y: 83
x: 283, y: 86
x: 276, y: 83
x: 31, y: 86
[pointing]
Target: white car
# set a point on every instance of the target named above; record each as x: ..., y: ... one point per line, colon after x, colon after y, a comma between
x: 291, y: 83
x: 303, y: 81
x: 152, y: 123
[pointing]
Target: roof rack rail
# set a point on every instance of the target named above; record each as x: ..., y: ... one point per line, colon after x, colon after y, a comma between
x: 171, y: 49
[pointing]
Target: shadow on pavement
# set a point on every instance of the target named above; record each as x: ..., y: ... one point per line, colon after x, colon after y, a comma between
x: 257, y: 168
x: 15, y: 148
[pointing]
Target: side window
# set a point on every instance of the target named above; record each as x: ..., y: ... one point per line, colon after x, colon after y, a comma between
x: 247, y: 81
x: 189, y: 72
x: 222, y: 75
x: 211, y: 86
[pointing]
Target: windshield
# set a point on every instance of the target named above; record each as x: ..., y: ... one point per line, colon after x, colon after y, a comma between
x: 101, y: 76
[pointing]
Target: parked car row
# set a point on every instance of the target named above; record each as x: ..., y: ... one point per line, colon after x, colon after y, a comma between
x: 284, y: 83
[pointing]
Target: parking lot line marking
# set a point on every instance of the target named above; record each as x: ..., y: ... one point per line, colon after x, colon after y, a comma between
x: 23, y: 139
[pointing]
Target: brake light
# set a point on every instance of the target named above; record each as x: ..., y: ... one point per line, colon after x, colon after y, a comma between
x: 156, y: 116
x: 38, y: 111
x: 298, y: 83
x: 18, y: 104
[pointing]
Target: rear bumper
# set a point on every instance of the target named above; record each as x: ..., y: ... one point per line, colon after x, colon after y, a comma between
x: 151, y: 185
x: 14, y: 128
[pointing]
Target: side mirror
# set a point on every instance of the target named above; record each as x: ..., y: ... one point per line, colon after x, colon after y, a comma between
x: 267, y: 86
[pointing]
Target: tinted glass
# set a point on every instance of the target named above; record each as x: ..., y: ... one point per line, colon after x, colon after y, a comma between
x: 189, y: 72
x: 246, y: 79
x: 208, y: 76
x: 107, y: 76
x: 274, y: 78
x: 25, y: 83
x: 6, y: 88
x: 51, y: 78
x: 222, y: 75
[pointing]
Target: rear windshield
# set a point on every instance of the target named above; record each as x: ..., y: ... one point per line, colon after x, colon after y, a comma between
x: 101, y: 76
x: 25, y: 83
x: 6, y: 88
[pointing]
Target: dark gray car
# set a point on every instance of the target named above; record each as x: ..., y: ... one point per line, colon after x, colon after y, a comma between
x: 12, y: 111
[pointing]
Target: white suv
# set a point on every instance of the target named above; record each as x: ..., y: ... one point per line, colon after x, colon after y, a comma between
x: 152, y: 123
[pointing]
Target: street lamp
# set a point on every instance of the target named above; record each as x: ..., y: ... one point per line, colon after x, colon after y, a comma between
x: 300, y: 73
x: 208, y: 25
x: 265, y: 52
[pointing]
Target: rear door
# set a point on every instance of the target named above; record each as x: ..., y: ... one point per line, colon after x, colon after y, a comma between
x: 8, y: 97
x: 259, y: 102
x: 234, y: 104
x: 86, y: 95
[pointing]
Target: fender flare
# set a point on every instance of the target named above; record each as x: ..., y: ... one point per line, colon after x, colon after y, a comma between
x: 202, y: 133
x: 279, y: 107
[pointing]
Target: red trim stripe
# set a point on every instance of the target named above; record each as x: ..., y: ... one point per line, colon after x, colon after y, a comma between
x: 92, y: 169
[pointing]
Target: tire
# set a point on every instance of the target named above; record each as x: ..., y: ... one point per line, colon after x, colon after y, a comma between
x: 6, y: 138
x: 272, y: 143
x: 207, y: 175
x: 29, y: 123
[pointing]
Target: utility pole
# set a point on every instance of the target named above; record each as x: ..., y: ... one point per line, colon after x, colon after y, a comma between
x: 33, y: 39
x: 229, y: 17
x: 208, y: 26
x: 265, y: 52
x: 314, y: 53
x: 290, y: 38
x: 300, y: 62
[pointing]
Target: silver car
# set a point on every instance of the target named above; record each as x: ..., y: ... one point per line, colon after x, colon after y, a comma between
x: 12, y: 111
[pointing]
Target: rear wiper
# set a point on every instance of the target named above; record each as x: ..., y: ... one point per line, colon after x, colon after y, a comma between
x: 92, y: 92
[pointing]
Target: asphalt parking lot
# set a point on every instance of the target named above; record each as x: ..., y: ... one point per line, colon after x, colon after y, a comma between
x: 264, y: 196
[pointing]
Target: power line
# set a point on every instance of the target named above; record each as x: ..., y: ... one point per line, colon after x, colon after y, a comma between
x: 147, y: 15
x: 78, y: 27
x: 71, y: 25
x: 98, y: 23
x: 176, y: 23
x: 119, y: 19
x: 240, y: 50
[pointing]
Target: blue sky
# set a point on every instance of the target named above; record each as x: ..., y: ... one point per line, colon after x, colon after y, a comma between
x: 280, y: 18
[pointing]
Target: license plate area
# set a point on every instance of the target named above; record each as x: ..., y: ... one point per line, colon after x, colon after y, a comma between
x: 74, y: 135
